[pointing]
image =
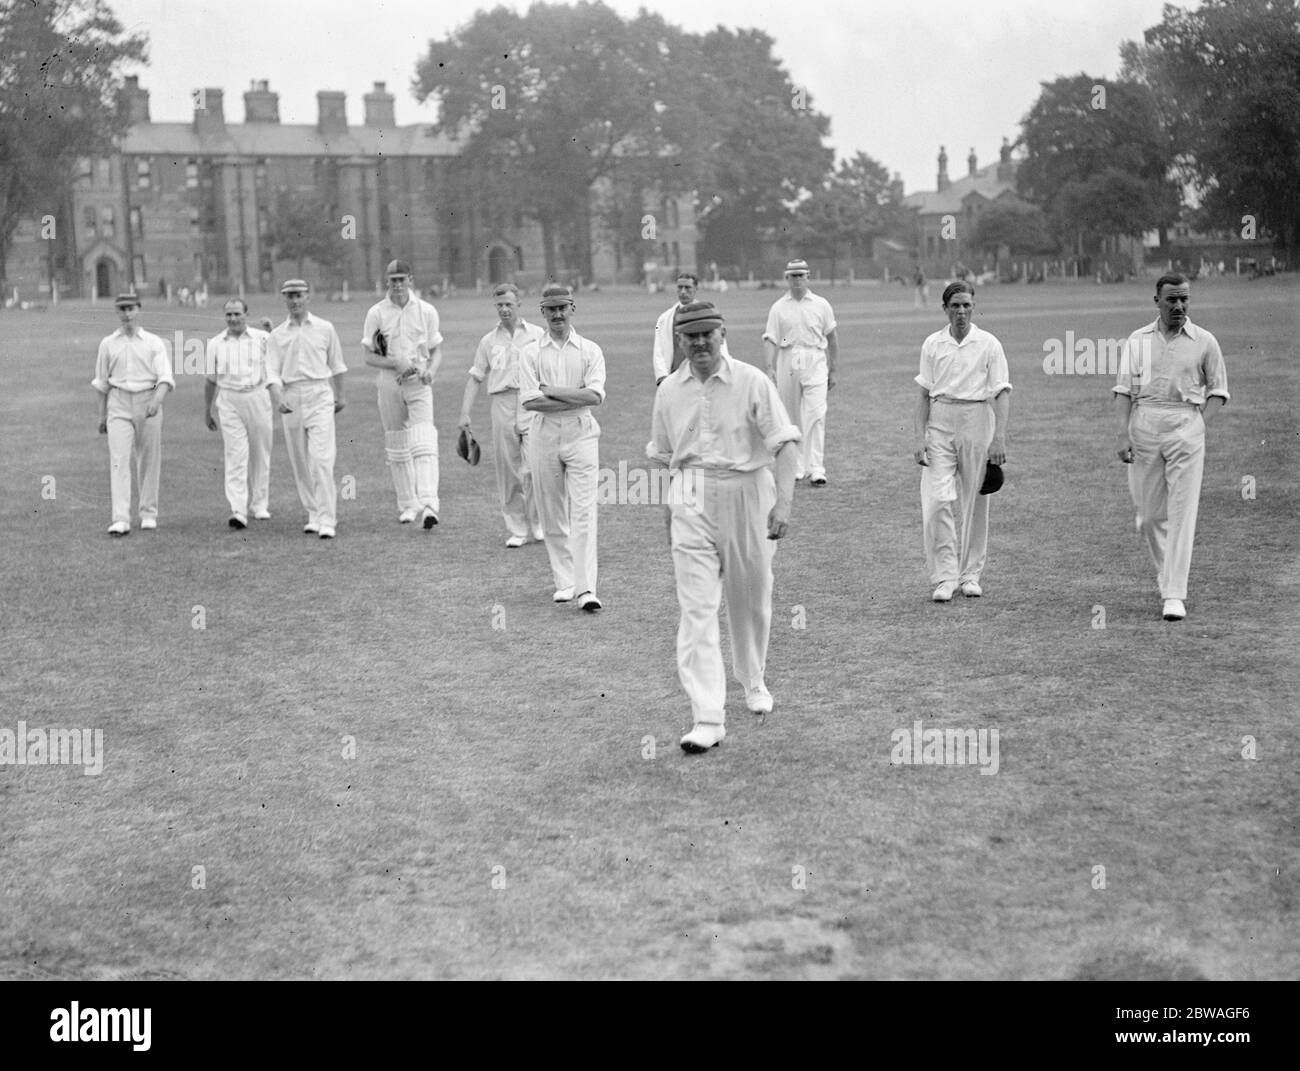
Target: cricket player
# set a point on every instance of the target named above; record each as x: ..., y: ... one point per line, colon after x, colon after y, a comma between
x: 236, y: 400
x: 413, y: 343
x: 666, y: 357
x: 1171, y: 383
x: 802, y: 350
x: 719, y: 426
x: 132, y: 375
x: 961, y: 424
x: 304, y: 365
x: 497, y: 361
x: 561, y: 379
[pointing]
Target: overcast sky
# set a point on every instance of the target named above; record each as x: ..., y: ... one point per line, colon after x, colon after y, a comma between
x: 898, y: 79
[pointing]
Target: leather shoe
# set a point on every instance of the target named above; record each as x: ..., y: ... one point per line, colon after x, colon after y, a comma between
x: 945, y: 591
x: 1174, y: 610
x: 703, y: 737
x: 563, y: 595
x: 971, y: 589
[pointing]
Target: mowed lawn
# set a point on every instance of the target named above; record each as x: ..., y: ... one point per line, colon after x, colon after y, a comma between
x: 394, y: 757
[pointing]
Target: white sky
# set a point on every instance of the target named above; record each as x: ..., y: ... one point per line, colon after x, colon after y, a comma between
x: 897, y: 77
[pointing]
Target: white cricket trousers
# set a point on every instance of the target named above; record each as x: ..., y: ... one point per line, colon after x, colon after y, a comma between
x: 410, y: 440
x: 564, y: 458
x: 309, y: 438
x: 720, y: 545
x: 801, y: 381
x: 245, y: 420
x: 134, y: 442
x: 510, y: 426
x: 1165, y: 482
x: 957, y: 437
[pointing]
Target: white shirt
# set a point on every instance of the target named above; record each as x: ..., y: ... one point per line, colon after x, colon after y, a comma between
x: 804, y: 323
x: 973, y: 370
x: 734, y: 420
x: 575, y: 362
x: 405, y: 327
x: 1186, y: 369
x: 497, y: 356
x: 308, y: 351
x: 237, y: 362
x: 665, y: 343
x: 132, y: 362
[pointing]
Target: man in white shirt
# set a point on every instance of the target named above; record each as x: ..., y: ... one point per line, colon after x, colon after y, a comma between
x: 720, y: 428
x: 132, y: 375
x: 666, y: 357
x: 561, y: 378
x: 802, y: 351
x: 236, y: 400
x: 961, y: 426
x: 496, y: 361
x: 1170, y: 373
x: 304, y: 364
x: 413, y: 342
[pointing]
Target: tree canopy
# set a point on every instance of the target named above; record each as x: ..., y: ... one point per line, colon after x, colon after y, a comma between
x: 1227, y: 81
x: 60, y: 72
x: 855, y: 205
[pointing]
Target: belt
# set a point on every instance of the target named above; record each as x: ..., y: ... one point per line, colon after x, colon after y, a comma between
x: 1166, y: 403
x: 959, y: 401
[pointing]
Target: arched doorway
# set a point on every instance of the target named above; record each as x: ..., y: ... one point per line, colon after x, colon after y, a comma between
x: 498, y: 265
x: 104, y: 278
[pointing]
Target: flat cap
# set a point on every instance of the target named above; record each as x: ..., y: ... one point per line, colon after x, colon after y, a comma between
x: 397, y: 267
x: 992, y: 479
x: 291, y: 285
x: 697, y: 318
x: 125, y: 300
x: 797, y: 267
x: 554, y: 296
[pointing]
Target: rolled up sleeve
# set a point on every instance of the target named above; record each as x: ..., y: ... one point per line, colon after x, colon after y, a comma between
x: 335, y: 359
x: 999, y: 375
x: 479, y: 369
x: 162, y: 364
x: 1216, y: 374
x: 770, y: 417
x: 593, y: 369
x: 925, y: 377
x: 530, y: 387
x: 100, y: 382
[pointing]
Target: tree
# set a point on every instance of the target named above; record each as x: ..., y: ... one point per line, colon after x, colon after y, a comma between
x: 1082, y: 127
x: 1227, y: 77
x: 304, y: 227
x: 551, y: 101
x: 60, y: 72
x: 857, y: 204
x: 1012, y: 224
x: 761, y: 143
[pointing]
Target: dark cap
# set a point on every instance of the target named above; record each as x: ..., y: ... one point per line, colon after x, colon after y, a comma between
x: 397, y: 267
x: 797, y: 267
x: 291, y: 285
x: 555, y: 296
x: 992, y: 478
x: 125, y: 300
x: 697, y: 318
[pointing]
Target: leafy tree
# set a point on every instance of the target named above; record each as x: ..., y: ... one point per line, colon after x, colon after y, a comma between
x: 304, y: 227
x: 550, y: 101
x: 1227, y: 77
x: 1082, y: 127
x: 1013, y: 224
x: 60, y: 72
x: 858, y: 203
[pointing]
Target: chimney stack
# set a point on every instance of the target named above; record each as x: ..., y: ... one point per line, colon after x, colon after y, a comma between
x: 943, y: 170
x: 260, y: 104
x: 972, y: 163
x: 134, y: 101
x: 332, y: 118
x: 209, y: 111
x: 379, y: 107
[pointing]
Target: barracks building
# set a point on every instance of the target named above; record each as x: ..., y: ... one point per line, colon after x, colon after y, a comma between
x: 193, y: 204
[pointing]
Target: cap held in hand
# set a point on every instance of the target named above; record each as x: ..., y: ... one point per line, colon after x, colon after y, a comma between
x: 467, y: 447
x: 992, y: 479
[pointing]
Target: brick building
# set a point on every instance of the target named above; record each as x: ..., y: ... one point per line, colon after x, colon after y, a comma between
x: 184, y: 204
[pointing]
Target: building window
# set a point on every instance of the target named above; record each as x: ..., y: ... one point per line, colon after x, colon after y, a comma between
x: 103, y: 172
x: 263, y: 223
x: 259, y: 173
x: 191, y: 174
x: 143, y: 173
x: 108, y: 221
x: 85, y: 170
x: 91, y: 219
x: 196, y: 223
x: 137, y: 221
x: 677, y: 254
x: 140, y: 277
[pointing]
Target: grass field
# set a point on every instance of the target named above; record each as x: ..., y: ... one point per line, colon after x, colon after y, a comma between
x: 517, y: 805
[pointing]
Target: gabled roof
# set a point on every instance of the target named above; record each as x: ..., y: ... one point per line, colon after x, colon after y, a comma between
x: 276, y: 139
x: 984, y: 182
